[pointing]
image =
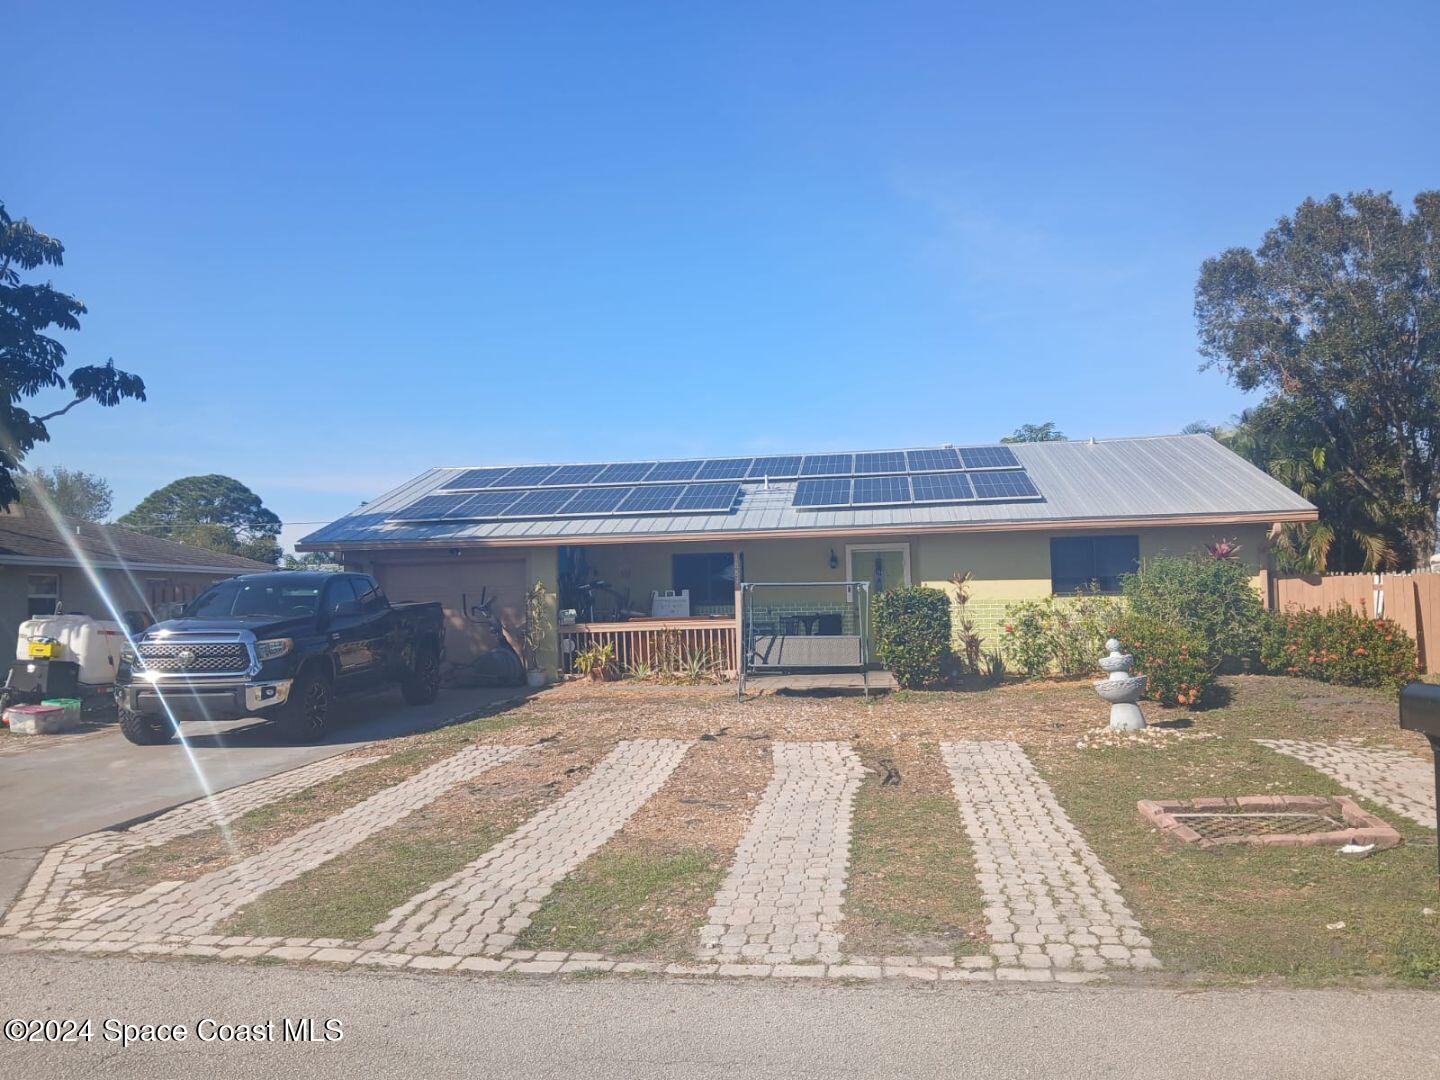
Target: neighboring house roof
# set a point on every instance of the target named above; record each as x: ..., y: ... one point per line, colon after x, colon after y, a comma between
x: 1164, y: 479
x: 32, y: 539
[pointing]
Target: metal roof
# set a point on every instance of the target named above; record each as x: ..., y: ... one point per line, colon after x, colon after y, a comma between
x: 1160, y: 478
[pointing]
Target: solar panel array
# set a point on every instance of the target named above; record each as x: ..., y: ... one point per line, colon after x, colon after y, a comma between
x: 774, y: 467
x: 944, y: 474
x: 1012, y: 485
x: 547, y: 502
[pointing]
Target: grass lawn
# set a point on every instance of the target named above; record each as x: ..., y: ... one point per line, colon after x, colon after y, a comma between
x: 1224, y: 915
x: 1243, y: 913
x: 912, y: 888
x: 625, y: 903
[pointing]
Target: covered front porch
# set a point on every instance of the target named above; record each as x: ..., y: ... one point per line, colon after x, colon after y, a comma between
x: 682, y: 607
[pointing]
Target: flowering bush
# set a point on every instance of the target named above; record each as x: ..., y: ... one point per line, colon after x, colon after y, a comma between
x: 1178, y: 667
x: 1061, y: 634
x: 912, y: 629
x: 1339, y: 646
x: 1213, y: 598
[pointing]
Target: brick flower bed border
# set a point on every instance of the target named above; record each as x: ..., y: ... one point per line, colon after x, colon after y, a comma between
x: 1365, y: 828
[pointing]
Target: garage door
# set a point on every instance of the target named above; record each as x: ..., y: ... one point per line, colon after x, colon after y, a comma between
x: 458, y: 586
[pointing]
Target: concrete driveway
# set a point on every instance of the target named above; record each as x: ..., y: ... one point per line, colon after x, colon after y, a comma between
x: 89, y: 782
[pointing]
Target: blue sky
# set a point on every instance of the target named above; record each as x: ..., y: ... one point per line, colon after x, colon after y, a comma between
x: 346, y: 242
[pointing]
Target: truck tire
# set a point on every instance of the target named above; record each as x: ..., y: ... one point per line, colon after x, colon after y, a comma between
x: 421, y: 684
x: 145, y: 730
x: 305, y: 717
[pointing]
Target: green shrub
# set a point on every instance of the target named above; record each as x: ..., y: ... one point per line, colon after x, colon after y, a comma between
x: 1212, y: 598
x: 1061, y: 634
x: 912, y: 631
x: 1178, y: 668
x: 1339, y: 646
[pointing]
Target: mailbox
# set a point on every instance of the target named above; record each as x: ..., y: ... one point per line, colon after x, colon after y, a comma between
x: 1420, y: 711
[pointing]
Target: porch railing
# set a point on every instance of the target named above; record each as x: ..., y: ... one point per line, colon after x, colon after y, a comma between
x: 656, y: 643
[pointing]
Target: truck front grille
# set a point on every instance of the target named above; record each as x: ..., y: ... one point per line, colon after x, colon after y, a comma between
x: 198, y: 658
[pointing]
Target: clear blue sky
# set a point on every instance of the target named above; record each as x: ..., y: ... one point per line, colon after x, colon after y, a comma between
x: 346, y: 242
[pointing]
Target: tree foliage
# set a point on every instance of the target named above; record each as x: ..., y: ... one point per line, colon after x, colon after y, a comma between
x: 79, y: 496
x: 214, y: 512
x: 1046, y: 432
x: 1336, y: 318
x: 32, y: 361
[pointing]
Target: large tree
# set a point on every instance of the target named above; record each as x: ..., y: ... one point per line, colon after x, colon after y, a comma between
x: 1356, y: 530
x: 31, y: 361
x: 79, y: 496
x: 1336, y: 318
x: 214, y: 512
x: 1046, y: 432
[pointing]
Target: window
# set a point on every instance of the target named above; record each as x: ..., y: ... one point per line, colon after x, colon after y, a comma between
x: 1081, y: 562
x: 44, y: 594
x: 291, y: 595
x: 372, y: 599
x: 710, y: 577
x: 340, y: 597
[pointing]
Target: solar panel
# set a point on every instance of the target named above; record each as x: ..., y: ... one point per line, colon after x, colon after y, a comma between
x: 674, y: 470
x: 541, y: 503
x: 989, y: 457
x: 596, y: 500
x: 624, y: 472
x: 1004, y: 485
x: 430, y: 508
x: 472, y: 479
x: 932, y: 460
x: 942, y: 487
x: 652, y: 499
x: 880, y: 461
x: 777, y: 466
x: 724, y: 468
x: 827, y: 492
x: 880, y: 489
x: 486, y: 504
x: 827, y: 465
x: 573, y: 474
x: 708, y: 497
x: 525, y: 475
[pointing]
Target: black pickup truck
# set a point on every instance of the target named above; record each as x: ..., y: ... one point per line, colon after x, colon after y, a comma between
x: 280, y: 646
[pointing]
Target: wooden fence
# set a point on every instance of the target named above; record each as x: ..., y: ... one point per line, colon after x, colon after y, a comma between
x: 1411, y: 600
x: 659, y: 643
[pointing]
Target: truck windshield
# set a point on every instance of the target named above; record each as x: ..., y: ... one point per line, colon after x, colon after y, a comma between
x: 256, y: 598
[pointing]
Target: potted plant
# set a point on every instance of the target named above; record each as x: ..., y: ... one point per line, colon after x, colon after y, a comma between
x: 598, y: 661
x: 537, y: 631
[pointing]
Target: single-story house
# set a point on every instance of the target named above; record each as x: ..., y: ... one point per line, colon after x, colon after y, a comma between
x: 41, y: 570
x: 1026, y: 521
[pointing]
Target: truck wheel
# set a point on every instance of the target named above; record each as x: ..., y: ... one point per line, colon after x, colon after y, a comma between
x: 145, y: 730
x: 305, y: 716
x: 421, y: 684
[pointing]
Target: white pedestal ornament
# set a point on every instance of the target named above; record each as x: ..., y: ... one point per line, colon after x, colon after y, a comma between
x: 1122, y: 690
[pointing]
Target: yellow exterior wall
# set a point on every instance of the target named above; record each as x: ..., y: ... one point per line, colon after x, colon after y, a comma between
x: 1006, y: 567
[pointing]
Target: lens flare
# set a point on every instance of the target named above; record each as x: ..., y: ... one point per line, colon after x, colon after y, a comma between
x: 41, y: 498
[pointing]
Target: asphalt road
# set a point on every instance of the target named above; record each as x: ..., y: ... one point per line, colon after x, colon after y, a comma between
x: 519, y: 1028
x: 83, y: 783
